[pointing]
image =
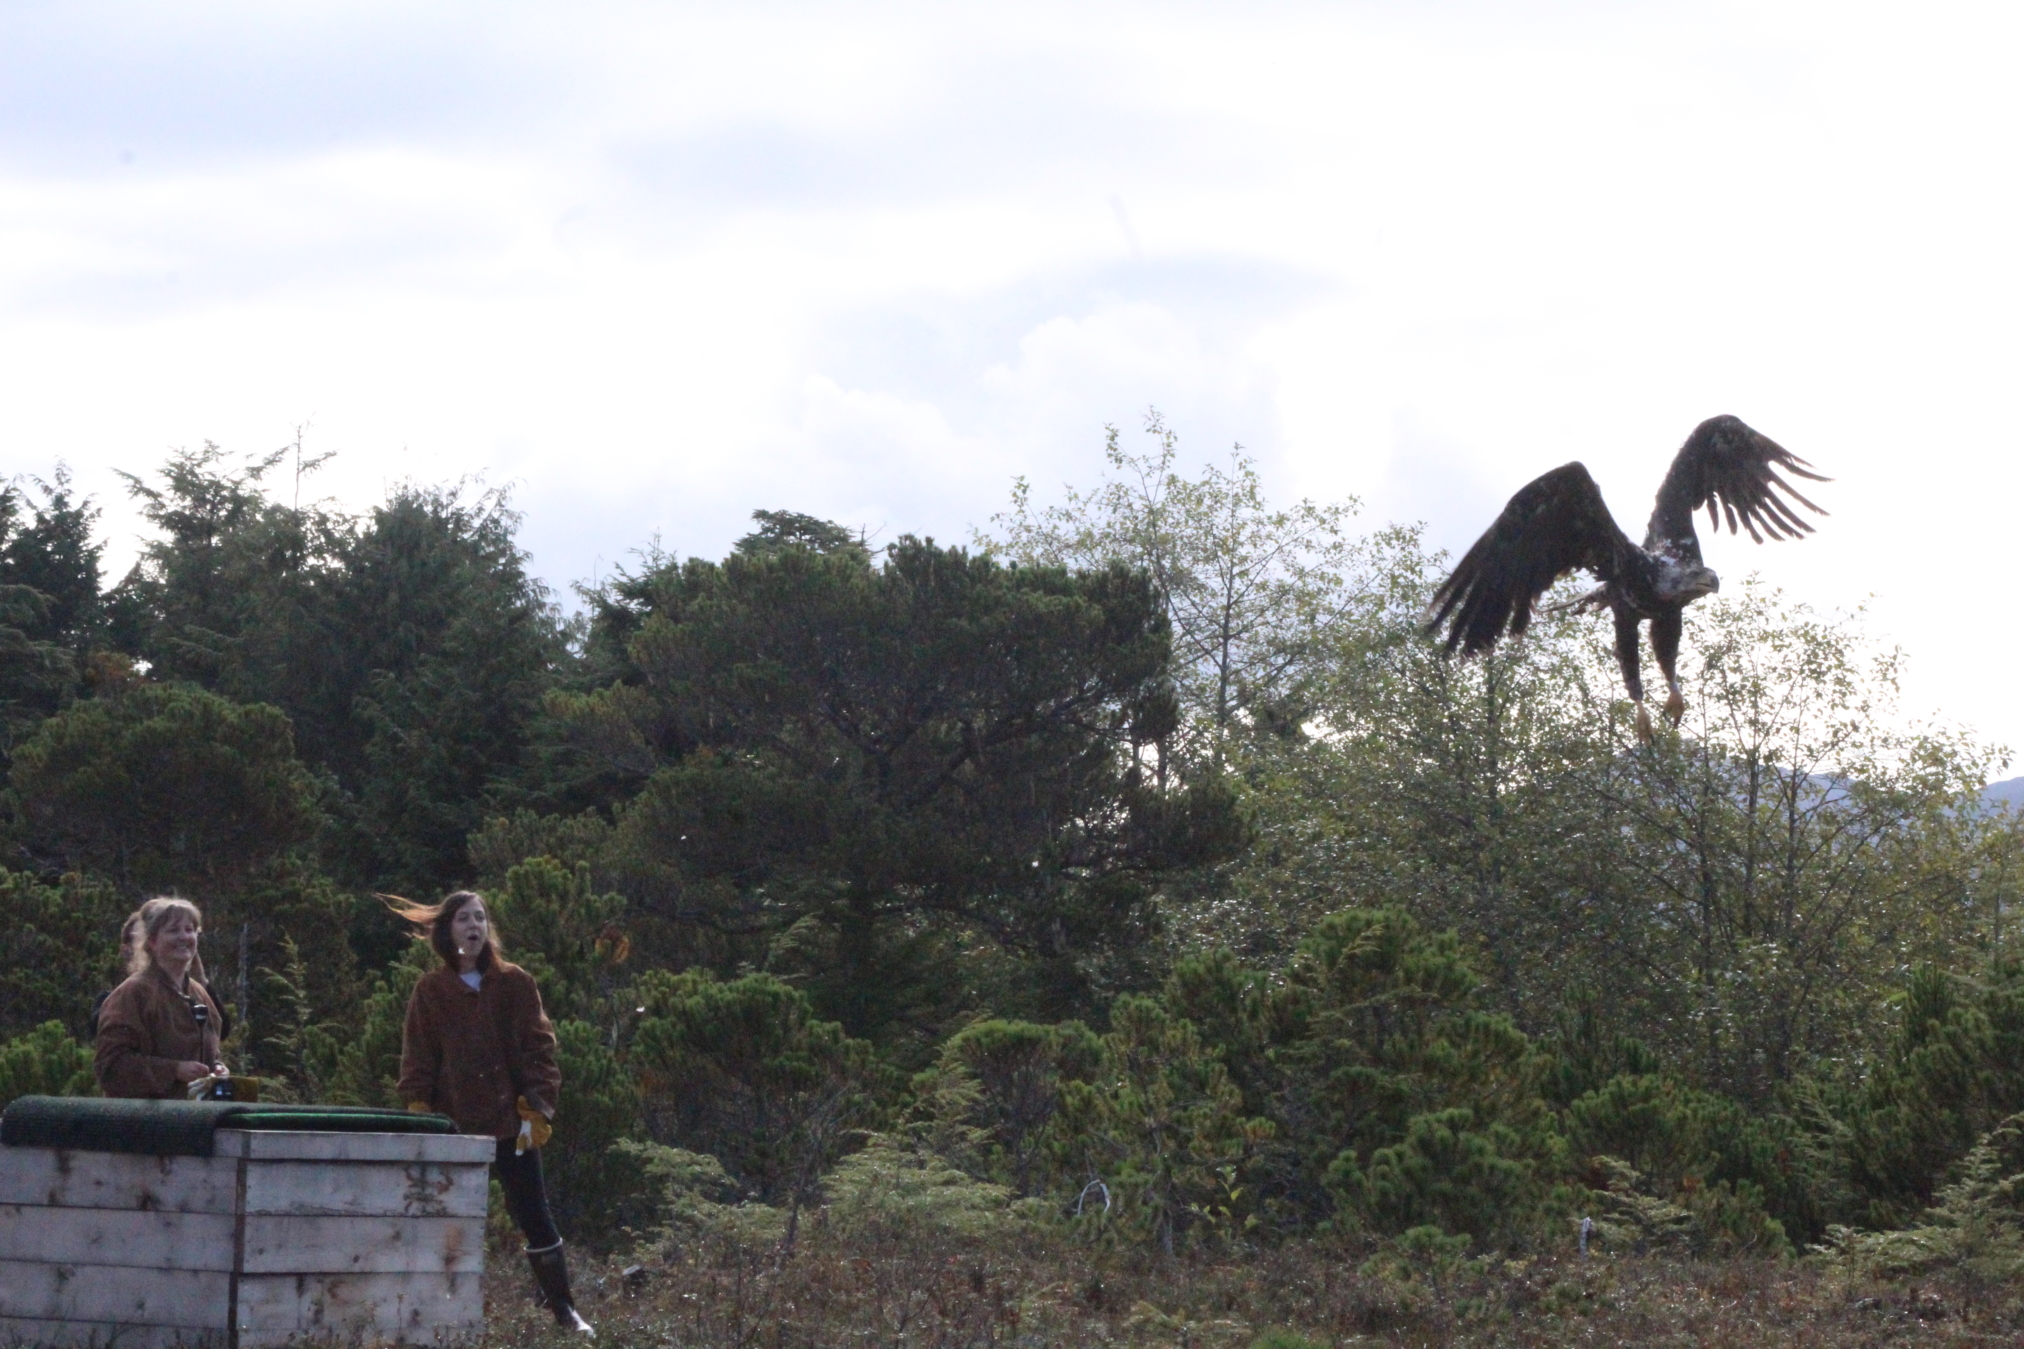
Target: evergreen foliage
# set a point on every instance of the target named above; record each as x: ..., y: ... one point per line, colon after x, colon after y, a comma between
x: 409, y: 648
x: 744, y: 1070
x: 47, y: 1061
x: 63, y: 950
x: 52, y: 616
x: 1016, y: 1071
x: 590, y: 1182
x: 163, y: 786
x: 1952, y: 1074
x: 369, y: 1064
x: 1160, y: 1126
x: 1143, y: 878
x: 873, y: 765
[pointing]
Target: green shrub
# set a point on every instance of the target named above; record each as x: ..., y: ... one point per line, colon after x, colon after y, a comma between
x: 1702, y: 1153
x: 745, y: 1071
x: 1976, y: 1227
x: 1161, y: 1125
x: 1450, y: 1175
x: 1663, y: 1131
x: 369, y: 1064
x: 567, y: 935
x: 677, y: 1197
x: 1003, y: 1079
x: 47, y: 1061
x: 1721, y: 1219
x: 1730, y: 1219
x: 1953, y: 1072
x: 894, y: 1190
x: 599, y: 1105
x: 62, y: 949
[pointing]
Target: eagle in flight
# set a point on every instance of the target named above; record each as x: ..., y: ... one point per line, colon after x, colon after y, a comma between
x: 1557, y: 523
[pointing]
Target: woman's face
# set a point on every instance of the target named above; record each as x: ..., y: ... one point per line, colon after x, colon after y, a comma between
x: 175, y: 942
x: 468, y: 926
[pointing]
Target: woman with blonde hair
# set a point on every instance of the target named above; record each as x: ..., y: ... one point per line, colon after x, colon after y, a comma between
x: 160, y: 1029
x: 478, y: 1047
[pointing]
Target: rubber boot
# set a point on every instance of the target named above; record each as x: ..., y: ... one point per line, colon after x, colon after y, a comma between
x: 551, y: 1276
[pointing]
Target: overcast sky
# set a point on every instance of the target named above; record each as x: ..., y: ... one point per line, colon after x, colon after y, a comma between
x: 657, y: 265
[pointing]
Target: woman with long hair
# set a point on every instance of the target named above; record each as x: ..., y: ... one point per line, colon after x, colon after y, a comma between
x: 477, y: 1047
x: 160, y: 1029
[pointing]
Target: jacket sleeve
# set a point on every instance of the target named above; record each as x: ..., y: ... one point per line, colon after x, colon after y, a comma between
x: 123, y: 1060
x: 421, y: 1054
x: 535, y: 1070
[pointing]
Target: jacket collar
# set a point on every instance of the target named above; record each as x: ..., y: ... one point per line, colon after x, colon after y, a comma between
x: 190, y: 984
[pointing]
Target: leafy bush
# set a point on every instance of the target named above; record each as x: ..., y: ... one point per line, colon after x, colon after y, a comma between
x: 1952, y: 1073
x: 1449, y: 1175
x: 370, y: 1063
x: 744, y: 1071
x: 299, y: 1057
x: 1703, y: 1152
x: 165, y: 785
x: 1722, y: 1219
x: 893, y: 1189
x: 1160, y: 1124
x: 1381, y: 1026
x: 568, y: 936
x: 47, y: 1061
x: 63, y: 949
x: 1975, y: 1229
x: 600, y: 1105
x: 681, y: 1196
x: 1662, y: 1130
x: 1014, y: 1072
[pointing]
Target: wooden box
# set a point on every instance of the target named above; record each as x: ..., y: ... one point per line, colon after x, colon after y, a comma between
x: 277, y: 1236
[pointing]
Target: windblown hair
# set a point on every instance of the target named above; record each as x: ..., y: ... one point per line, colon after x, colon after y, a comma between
x: 432, y: 925
x: 144, y: 924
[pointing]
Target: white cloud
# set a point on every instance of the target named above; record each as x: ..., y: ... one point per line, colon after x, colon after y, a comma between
x: 661, y: 264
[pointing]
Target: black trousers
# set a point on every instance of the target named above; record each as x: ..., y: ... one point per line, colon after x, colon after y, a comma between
x: 526, y: 1196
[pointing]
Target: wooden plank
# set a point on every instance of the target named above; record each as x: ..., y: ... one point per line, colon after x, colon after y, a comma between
x: 27, y: 1330
x: 63, y: 1178
x: 287, y: 1145
x: 191, y: 1299
x: 437, y: 1337
x: 122, y: 1238
x: 299, y: 1245
x: 412, y: 1306
x: 414, y: 1189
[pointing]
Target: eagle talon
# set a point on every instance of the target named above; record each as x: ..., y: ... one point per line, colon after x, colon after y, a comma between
x: 1644, y: 725
x: 1676, y: 707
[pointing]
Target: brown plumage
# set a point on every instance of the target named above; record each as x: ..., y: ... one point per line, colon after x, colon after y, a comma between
x: 1557, y: 523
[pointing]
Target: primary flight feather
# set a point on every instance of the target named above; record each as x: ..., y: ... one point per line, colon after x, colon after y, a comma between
x: 1557, y: 523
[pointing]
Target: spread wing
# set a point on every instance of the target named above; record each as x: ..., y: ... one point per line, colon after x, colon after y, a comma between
x: 1555, y: 524
x: 1731, y: 469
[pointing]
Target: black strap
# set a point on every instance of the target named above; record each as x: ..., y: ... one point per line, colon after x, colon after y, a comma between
x: 224, y: 1016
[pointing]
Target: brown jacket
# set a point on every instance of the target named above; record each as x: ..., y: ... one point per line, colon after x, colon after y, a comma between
x: 145, y: 1029
x: 468, y: 1052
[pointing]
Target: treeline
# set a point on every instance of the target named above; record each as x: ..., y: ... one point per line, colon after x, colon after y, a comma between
x: 1140, y: 858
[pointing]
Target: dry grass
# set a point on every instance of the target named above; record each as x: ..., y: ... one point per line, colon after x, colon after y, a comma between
x: 1042, y: 1292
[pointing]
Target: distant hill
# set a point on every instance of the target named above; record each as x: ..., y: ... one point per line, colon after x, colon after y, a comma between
x: 2010, y: 791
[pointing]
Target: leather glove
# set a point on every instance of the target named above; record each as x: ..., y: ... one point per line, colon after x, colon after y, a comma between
x: 534, y: 1128
x: 421, y: 1107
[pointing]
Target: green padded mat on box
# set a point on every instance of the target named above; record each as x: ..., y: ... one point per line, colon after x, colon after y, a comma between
x: 184, y: 1128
